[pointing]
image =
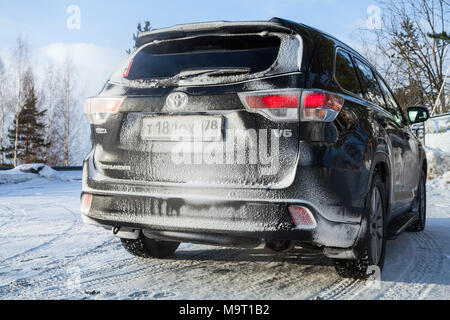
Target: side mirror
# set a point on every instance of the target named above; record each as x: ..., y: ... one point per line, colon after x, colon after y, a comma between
x: 418, y: 114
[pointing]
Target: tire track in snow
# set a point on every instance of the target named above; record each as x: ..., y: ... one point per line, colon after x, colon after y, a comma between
x: 283, y: 277
x: 113, y: 280
x: 32, y: 282
x: 107, y: 278
x: 259, y: 276
x: 33, y: 254
x: 11, y: 216
x: 426, y: 263
x: 337, y: 289
x: 19, y: 257
x: 413, y: 280
x: 189, y: 280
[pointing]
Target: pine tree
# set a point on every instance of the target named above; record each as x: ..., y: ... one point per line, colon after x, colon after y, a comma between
x: 442, y: 36
x: 31, y: 129
x: 146, y: 27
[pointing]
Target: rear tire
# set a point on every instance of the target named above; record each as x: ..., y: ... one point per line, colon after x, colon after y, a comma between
x: 375, y: 238
x: 144, y: 247
x: 421, y: 205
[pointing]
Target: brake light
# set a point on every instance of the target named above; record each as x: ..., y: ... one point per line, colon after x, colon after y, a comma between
x: 302, y: 217
x: 98, y: 109
x: 105, y: 105
x: 314, y: 100
x: 86, y: 202
x: 273, y: 101
x: 127, y: 70
x: 275, y: 105
x: 320, y: 105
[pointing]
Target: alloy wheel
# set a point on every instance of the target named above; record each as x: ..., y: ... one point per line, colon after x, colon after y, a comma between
x: 376, y: 228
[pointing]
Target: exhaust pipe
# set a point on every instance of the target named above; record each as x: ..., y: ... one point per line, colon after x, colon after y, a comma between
x: 277, y: 246
x: 125, y: 233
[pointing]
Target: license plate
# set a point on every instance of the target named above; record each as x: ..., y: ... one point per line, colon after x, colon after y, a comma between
x: 177, y: 128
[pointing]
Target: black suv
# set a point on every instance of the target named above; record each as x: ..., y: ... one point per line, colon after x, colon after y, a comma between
x: 238, y: 133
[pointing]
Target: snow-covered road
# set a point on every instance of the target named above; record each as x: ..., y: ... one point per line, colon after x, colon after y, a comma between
x: 46, y: 252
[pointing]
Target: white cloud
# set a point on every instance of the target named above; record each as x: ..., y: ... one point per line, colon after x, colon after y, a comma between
x: 94, y: 64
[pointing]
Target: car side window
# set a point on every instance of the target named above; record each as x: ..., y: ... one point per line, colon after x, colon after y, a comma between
x: 392, y: 106
x: 346, y: 73
x: 369, y: 84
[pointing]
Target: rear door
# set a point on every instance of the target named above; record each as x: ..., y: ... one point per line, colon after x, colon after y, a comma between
x: 411, y: 167
x: 373, y: 93
x: 212, y: 110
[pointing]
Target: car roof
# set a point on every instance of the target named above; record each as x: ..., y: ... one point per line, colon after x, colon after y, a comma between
x: 183, y: 30
x: 274, y: 24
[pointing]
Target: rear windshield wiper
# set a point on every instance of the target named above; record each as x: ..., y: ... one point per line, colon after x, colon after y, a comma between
x: 189, y: 74
x: 228, y: 72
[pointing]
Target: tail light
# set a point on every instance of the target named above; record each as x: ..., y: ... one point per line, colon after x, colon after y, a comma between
x: 127, y: 70
x: 302, y: 217
x: 86, y: 201
x: 275, y: 105
x: 282, y: 105
x: 98, y: 109
x: 320, y: 105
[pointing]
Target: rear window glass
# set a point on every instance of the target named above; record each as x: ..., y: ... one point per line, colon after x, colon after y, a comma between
x: 369, y: 84
x: 168, y: 58
x: 346, y: 73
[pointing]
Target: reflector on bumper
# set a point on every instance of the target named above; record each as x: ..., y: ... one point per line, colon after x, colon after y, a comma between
x: 86, y: 201
x: 302, y: 217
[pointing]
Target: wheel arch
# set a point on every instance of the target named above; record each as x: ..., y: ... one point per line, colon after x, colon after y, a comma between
x: 425, y: 166
x: 381, y: 165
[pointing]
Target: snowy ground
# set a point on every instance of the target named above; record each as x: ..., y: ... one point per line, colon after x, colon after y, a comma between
x: 46, y: 253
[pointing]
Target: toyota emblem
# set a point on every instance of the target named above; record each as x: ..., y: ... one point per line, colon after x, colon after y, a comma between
x: 176, y: 100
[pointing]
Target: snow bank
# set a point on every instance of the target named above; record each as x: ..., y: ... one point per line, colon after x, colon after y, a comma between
x: 27, y: 172
x: 438, y: 162
x: 443, y: 182
x: 438, y: 124
x: 437, y: 148
x: 438, y: 140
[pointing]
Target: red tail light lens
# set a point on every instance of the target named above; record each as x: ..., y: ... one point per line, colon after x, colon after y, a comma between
x: 275, y: 105
x: 127, y: 70
x: 105, y: 105
x: 86, y: 201
x: 97, y: 109
x: 314, y: 100
x: 273, y: 101
x: 302, y: 217
x: 320, y: 106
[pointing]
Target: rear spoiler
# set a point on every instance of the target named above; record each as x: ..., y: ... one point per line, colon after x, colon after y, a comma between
x: 220, y: 27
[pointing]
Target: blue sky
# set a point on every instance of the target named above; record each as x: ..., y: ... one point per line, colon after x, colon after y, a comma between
x: 108, y: 25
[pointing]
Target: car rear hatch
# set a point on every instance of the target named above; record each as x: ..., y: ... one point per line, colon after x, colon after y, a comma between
x: 214, y: 108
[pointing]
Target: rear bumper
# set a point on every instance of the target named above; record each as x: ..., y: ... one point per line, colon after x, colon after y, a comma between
x: 206, y: 212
